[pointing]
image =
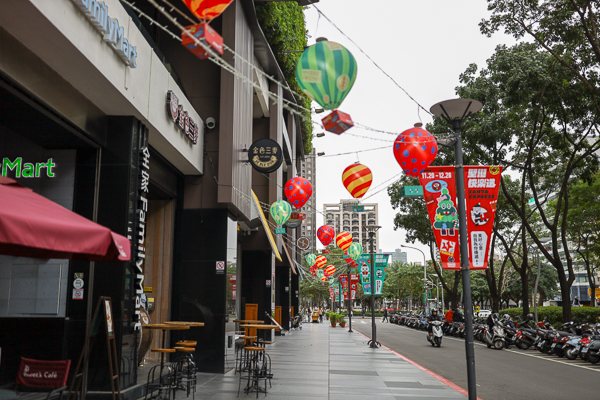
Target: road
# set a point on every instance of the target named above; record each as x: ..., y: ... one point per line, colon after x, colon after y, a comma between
x: 501, y: 374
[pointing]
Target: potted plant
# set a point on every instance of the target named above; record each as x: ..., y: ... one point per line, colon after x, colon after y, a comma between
x: 333, y: 317
x: 327, y: 313
x: 342, y: 321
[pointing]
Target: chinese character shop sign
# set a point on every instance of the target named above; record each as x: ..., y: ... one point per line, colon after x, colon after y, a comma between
x: 265, y: 155
x: 181, y: 118
x: 482, y: 184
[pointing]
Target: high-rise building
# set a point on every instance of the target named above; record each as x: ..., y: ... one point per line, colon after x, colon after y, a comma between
x: 399, y: 255
x: 308, y: 170
x: 353, y: 217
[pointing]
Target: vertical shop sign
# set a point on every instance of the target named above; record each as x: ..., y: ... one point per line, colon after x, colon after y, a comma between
x: 138, y: 244
x: 439, y: 190
x: 345, y: 286
x: 233, y: 284
x: 353, y: 285
x: 482, y: 185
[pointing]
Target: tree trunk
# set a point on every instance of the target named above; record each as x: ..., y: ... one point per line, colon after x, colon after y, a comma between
x: 565, y: 291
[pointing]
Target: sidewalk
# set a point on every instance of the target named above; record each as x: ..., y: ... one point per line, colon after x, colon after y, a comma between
x: 321, y: 362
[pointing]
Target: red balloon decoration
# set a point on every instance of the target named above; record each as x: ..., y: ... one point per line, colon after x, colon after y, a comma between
x: 326, y: 234
x: 320, y: 261
x: 329, y: 271
x: 298, y: 191
x: 415, y: 149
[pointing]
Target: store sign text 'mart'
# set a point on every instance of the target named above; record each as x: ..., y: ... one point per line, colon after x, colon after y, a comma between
x: 112, y: 32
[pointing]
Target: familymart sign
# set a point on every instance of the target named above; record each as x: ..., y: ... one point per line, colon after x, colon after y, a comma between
x: 22, y: 169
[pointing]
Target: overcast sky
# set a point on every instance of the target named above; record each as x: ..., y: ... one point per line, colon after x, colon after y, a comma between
x: 424, y: 46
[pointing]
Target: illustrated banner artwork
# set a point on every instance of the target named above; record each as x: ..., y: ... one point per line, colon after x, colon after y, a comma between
x: 353, y: 285
x: 439, y: 190
x: 381, y: 261
x: 481, y: 188
x: 331, y: 292
x: 336, y: 291
x: 345, y: 287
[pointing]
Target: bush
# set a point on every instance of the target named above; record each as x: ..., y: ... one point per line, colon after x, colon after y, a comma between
x: 554, y: 314
x: 342, y: 320
x: 333, y: 317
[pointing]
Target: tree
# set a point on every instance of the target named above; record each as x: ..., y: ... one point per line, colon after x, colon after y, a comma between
x: 536, y: 122
x: 584, y: 225
x: 565, y: 29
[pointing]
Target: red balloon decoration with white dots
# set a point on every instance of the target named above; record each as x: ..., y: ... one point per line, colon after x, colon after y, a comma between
x: 415, y: 149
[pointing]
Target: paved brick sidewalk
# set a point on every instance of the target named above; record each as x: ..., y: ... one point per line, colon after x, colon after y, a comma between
x: 321, y: 362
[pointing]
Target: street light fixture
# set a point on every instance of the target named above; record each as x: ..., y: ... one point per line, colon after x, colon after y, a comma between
x: 373, y: 343
x: 424, y: 272
x: 455, y: 112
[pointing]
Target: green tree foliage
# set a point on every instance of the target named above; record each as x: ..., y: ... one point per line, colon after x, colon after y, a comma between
x: 565, y: 29
x: 285, y: 29
x: 537, y: 121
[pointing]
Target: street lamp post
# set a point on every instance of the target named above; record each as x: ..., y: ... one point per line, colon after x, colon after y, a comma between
x: 455, y: 112
x: 349, y: 301
x: 424, y: 271
x: 373, y: 343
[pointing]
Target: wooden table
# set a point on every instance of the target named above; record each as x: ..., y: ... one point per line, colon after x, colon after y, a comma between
x: 165, y: 328
x: 183, y: 323
x: 248, y: 321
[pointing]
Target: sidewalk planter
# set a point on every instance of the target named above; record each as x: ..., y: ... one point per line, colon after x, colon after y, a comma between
x: 333, y: 318
x: 343, y: 325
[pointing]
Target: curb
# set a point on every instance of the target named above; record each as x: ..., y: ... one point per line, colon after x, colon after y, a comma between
x: 422, y: 368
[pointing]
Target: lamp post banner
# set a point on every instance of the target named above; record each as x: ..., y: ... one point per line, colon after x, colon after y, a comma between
x: 481, y: 185
x: 344, y: 284
x: 381, y: 262
x: 353, y: 285
x: 439, y: 190
x: 336, y: 290
x: 331, y: 292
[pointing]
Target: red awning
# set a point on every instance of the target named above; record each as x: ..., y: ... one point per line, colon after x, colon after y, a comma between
x: 33, y: 226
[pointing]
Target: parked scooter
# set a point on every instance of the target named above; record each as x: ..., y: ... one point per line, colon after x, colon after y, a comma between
x: 435, y: 336
x: 496, y: 338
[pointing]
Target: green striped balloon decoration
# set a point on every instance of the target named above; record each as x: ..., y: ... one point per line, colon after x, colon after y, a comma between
x: 281, y: 211
x: 326, y: 72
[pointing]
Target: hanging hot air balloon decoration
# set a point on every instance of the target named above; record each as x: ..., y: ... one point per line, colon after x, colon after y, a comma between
x: 320, y: 274
x: 355, y: 250
x: 343, y: 240
x: 329, y: 270
x: 310, y: 259
x: 281, y: 211
x: 326, y: 234
x: 357, y: 179
x: 207, y: 9
x: 326, y: 72
x: 298, y: 191
x: 415, y: 149
x: 320, y: 261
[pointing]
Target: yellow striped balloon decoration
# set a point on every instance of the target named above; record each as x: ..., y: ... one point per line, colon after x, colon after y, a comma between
x: 343, y: 240
x: 320, y: 261
x: 357, y: 179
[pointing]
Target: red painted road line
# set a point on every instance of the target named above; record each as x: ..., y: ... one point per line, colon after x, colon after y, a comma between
x: 422, y: 368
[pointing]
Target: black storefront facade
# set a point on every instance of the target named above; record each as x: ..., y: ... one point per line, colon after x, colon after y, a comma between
x: 113, y: 152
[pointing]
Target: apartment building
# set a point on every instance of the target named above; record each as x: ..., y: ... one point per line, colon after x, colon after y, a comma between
x: 353, y: 217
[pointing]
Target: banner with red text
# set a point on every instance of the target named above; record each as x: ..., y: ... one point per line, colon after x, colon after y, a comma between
x: 439, y: 190
x: 353, y: 285
x: 345, y: 286
x: 331, y: 290
x: 481, y: 190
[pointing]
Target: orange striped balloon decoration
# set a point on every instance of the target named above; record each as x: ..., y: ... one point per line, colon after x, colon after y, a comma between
x: 357, y: 179
x: 343, y: 240
x: 207, y: 9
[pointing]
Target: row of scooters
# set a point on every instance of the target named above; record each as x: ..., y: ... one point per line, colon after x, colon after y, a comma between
x: 570, y: 340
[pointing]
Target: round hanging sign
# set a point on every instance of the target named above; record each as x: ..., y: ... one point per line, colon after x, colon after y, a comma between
x: 293, y: 223
x: 265, y: 155
x: 303, y: 243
